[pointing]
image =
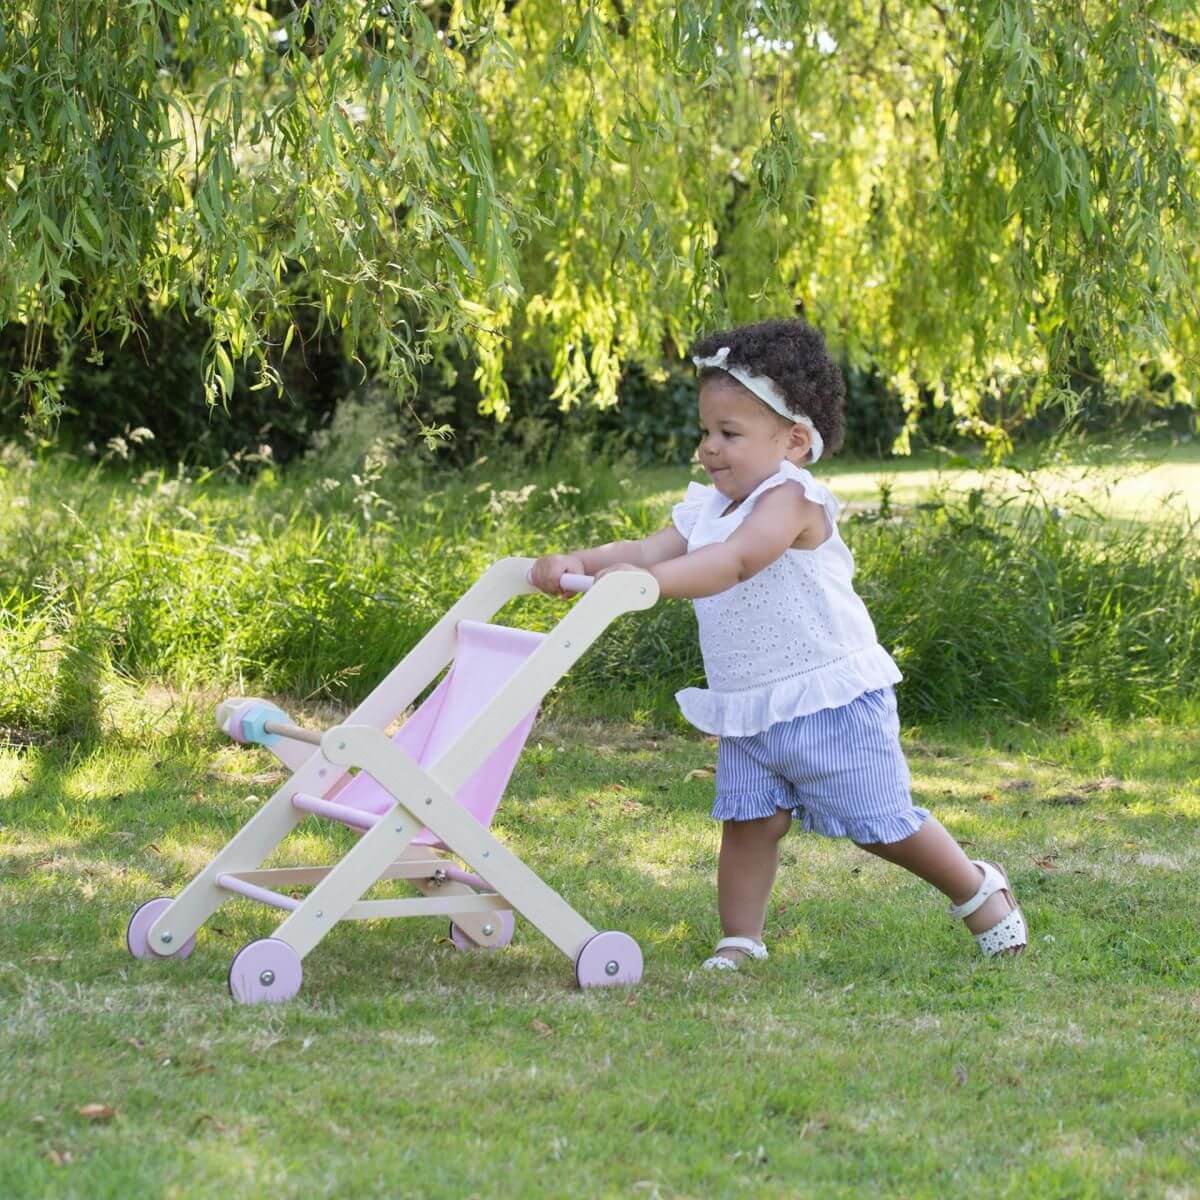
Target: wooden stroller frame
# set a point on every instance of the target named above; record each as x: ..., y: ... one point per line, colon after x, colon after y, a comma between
x: 268, y: 970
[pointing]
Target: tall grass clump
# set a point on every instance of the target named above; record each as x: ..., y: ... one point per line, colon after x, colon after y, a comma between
x: 1013, y: 604
x: 314, y: 585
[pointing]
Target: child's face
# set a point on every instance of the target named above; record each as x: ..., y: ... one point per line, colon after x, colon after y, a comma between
x: 743, y: 441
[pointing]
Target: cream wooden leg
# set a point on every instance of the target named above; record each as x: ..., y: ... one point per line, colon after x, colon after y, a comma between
x: 358, y: 871
x: 244, y: 851
x: 521, y: 887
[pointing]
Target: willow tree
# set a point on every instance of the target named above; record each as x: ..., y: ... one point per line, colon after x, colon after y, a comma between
x: 961, y: 194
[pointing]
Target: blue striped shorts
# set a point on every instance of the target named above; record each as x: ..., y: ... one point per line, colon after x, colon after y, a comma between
x: 840, y: 771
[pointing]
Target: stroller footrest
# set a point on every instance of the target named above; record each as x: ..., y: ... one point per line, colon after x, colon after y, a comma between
x: 231, y: 883
x: 355, y: 817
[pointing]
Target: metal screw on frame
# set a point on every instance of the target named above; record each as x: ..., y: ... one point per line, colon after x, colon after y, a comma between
x: 611, y: 967
x: 488, y: 930
x: 166, y: 938
x: 266, y: 978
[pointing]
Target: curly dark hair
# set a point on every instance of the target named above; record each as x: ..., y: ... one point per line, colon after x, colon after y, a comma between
x: 793, y: 355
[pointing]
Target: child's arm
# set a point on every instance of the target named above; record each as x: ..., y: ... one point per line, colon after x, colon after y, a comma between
x: 658, y: 547
x: 781, y: 517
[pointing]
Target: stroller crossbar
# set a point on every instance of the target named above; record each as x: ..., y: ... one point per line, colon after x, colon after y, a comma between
x: 356, y: 817
x: 420, y: 799
x: 365, y: 910
x: 419, y: 867
x: 296, y: 732
x: 232, y: 883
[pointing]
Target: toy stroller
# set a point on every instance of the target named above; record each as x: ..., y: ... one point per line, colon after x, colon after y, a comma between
x: 419, y: 798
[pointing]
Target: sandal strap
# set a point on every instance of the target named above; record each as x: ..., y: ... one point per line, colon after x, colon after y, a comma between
x: 993, y: 882
x: 1009, y: 933
x: 719, y: 962
x: 748, y: 946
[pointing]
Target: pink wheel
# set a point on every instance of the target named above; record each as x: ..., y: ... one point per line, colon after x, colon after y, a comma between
x: 265, y: 972
x: 137, y: 932
x: 608, y: 959
x: 504, y: 924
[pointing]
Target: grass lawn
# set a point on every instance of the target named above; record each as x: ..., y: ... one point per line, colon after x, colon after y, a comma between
x: 874, y: 1054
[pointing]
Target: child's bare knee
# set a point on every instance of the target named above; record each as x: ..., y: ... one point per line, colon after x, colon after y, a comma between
x: 779, y: 823
x: 759, y: 829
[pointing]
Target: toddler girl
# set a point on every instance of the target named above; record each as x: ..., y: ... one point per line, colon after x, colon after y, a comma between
x: 800, y: 691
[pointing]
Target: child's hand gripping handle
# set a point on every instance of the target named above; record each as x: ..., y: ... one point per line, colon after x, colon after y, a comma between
x: 567, y: 581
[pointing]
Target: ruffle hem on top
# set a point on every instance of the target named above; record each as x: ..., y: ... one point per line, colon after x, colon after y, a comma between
x: 751, y: 710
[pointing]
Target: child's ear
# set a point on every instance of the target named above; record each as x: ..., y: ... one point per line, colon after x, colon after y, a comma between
x: 799, y: 445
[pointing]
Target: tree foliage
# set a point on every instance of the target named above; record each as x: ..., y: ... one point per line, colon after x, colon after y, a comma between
x: 961, y: 194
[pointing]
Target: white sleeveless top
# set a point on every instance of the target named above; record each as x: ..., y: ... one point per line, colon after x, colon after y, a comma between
x: 792, y: 639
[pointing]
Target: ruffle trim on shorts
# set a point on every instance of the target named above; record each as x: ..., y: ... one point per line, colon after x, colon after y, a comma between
x: 751, y: 806
x: 892, y: 828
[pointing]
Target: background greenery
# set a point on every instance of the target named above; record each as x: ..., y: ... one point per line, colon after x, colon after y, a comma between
x: 155, y: 383
x: 983, y: 202
x: 315, y: 581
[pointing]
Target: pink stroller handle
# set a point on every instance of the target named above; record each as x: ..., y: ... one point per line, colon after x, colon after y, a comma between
x: 569, y: 582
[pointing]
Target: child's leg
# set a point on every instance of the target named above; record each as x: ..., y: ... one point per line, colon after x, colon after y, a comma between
x: 937, y: 858
x: 746, y: 873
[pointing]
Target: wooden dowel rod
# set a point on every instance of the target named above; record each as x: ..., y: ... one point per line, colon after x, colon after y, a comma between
x: 295, y: 732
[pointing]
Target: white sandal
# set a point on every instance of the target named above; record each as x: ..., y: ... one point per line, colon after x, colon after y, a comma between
x: 748, y: 946
x: 1010, y: 932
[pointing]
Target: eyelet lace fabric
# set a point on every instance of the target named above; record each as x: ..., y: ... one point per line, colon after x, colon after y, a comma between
x: 794, y: 638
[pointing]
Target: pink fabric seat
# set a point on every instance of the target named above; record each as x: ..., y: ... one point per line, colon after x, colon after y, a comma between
x: 485, y: 658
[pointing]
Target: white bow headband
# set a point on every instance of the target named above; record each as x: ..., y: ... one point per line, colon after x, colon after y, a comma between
x: 768, y: 392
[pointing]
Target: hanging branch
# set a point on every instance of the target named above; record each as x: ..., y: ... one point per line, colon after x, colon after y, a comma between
x: 959, y: 193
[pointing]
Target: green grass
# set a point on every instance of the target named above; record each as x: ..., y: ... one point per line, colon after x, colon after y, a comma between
x: 993, y: 599
x: 873, y: 1054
